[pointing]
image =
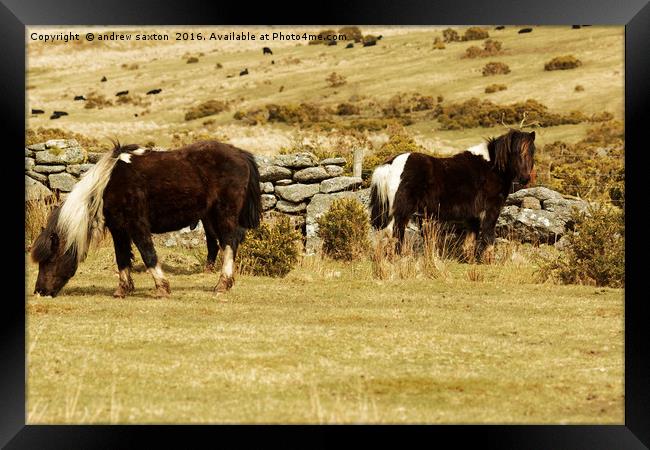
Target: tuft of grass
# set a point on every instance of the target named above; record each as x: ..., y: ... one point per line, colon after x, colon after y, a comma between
x: 335, y: 80
x: 495, y: 68
x: 495, y: 88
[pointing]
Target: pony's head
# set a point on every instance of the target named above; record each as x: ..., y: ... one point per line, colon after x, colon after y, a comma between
x: 514, y: 154
x: 56, y: 265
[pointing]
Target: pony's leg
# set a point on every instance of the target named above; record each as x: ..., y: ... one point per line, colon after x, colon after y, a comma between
x: 213, y: 245
x: 123, y: 257
x: 230, y: 235
x: 399, y: 229
x: 469, y: 244
x: 485, y: 251
x: 145, y: 245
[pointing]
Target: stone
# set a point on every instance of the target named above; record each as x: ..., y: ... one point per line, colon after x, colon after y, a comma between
x: 267, y: 187
x: 93, y: 157
x: 268, y: 201
x: 61, y: 143
x: 531, y: 203
x: 530, y: 225
x: 273, y: 173
x: 334, y: 171
x: 37, y: 176
x: 58, y: 155
x: 29, y: 153
x: 285, y: 182
x: 333, y: 161
x: 78, y: 169
x: 311, y: 174
x: 62, y: 181
x: 29, y: 163
x: 339, y: 184
x: 290, y: 207
x: 262, y: 160
x: 296, y: 193
x: 540, y: 193
x: 49, y: 169
x: 35, y: 191
x: 319, y: 205
x: 37, y: 147
x: 296, y: 160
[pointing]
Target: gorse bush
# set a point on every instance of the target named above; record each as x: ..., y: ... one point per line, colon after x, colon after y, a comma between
x: 334, y: 80
x: 450, y: 35
x: 39, y: 135
x: 495, y: 68
x: 351, y: 33
x: 398, y: 142
x: 495, y: 88
x: 474, y: 113
x: 36, y: 215
x: 563, y: 63
x: 344, y: 230
x: 475, y: 33
x: 595, y: 251
x: 270, y: 250
x: 490, y: 48
x: 205, y: 109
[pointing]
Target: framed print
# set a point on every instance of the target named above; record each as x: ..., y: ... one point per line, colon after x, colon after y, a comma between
x: 409, y: 215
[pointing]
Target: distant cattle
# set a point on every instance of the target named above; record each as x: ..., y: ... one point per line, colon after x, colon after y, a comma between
x: 330, y: 42
x: 379, y: 37
x: 243, y: 72
x: 575, y: 27
x: 266, y: 51
x: 500, y: 27
x: 350, y: 45
x: 54, y: 116
x: 37, y: 111
x: 79, y: 97
x: 525, y: 30
x: 272, y: 62
x: 154, y: 91
x: 60, y: 113
x: 229, y: 76
x: 586, y: 25
x: 103, y: 79
x: 370, y: 43
x: 121, y: 93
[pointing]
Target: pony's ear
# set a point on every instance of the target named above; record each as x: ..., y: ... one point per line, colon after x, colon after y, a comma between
x: 532, y: 135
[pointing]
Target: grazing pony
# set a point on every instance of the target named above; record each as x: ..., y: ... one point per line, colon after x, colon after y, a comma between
x: 135, y: 192
x: 471, y: 186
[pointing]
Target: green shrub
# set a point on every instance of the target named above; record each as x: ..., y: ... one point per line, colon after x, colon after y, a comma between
x: 595, y: 251
x: 490, y: 48
x: 205, y: 109
x: 495, y: 68
x: 344, y: 230
x: 398, y: 143
x: 41, y: 134
x: 563, y: 63
x: 294, y: 114
x: 270, y: 250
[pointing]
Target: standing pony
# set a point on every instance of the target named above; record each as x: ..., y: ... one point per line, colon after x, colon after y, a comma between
x: 471, y: 186
x: 135, y: 192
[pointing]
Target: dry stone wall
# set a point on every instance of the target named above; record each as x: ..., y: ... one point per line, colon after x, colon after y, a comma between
x: 303, y: 187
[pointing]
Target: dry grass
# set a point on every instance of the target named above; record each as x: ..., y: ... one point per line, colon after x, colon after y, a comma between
x: 326, y: 344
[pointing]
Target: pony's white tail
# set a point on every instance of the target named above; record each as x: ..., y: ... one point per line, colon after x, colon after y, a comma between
x: 81, y: 217
x: 383, y: 187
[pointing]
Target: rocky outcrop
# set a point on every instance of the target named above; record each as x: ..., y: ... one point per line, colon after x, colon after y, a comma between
x: 538, y: 214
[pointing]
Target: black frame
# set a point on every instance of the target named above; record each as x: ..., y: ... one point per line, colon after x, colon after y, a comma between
x: 634, y: 14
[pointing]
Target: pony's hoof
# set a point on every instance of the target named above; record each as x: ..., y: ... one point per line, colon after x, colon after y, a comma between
x: 119, y: 293
x: 209, y: 268
x: 163, y: 291
x: 224, y: 285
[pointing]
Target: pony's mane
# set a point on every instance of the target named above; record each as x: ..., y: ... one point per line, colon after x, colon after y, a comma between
x: 81, y: 217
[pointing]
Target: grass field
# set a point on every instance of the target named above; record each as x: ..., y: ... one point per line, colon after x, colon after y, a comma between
x: 327, y: 344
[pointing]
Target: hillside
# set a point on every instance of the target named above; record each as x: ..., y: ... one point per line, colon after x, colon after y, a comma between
x: 404, y: 61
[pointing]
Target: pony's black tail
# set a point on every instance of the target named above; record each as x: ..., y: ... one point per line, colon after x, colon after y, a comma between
x: 249, y: 217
